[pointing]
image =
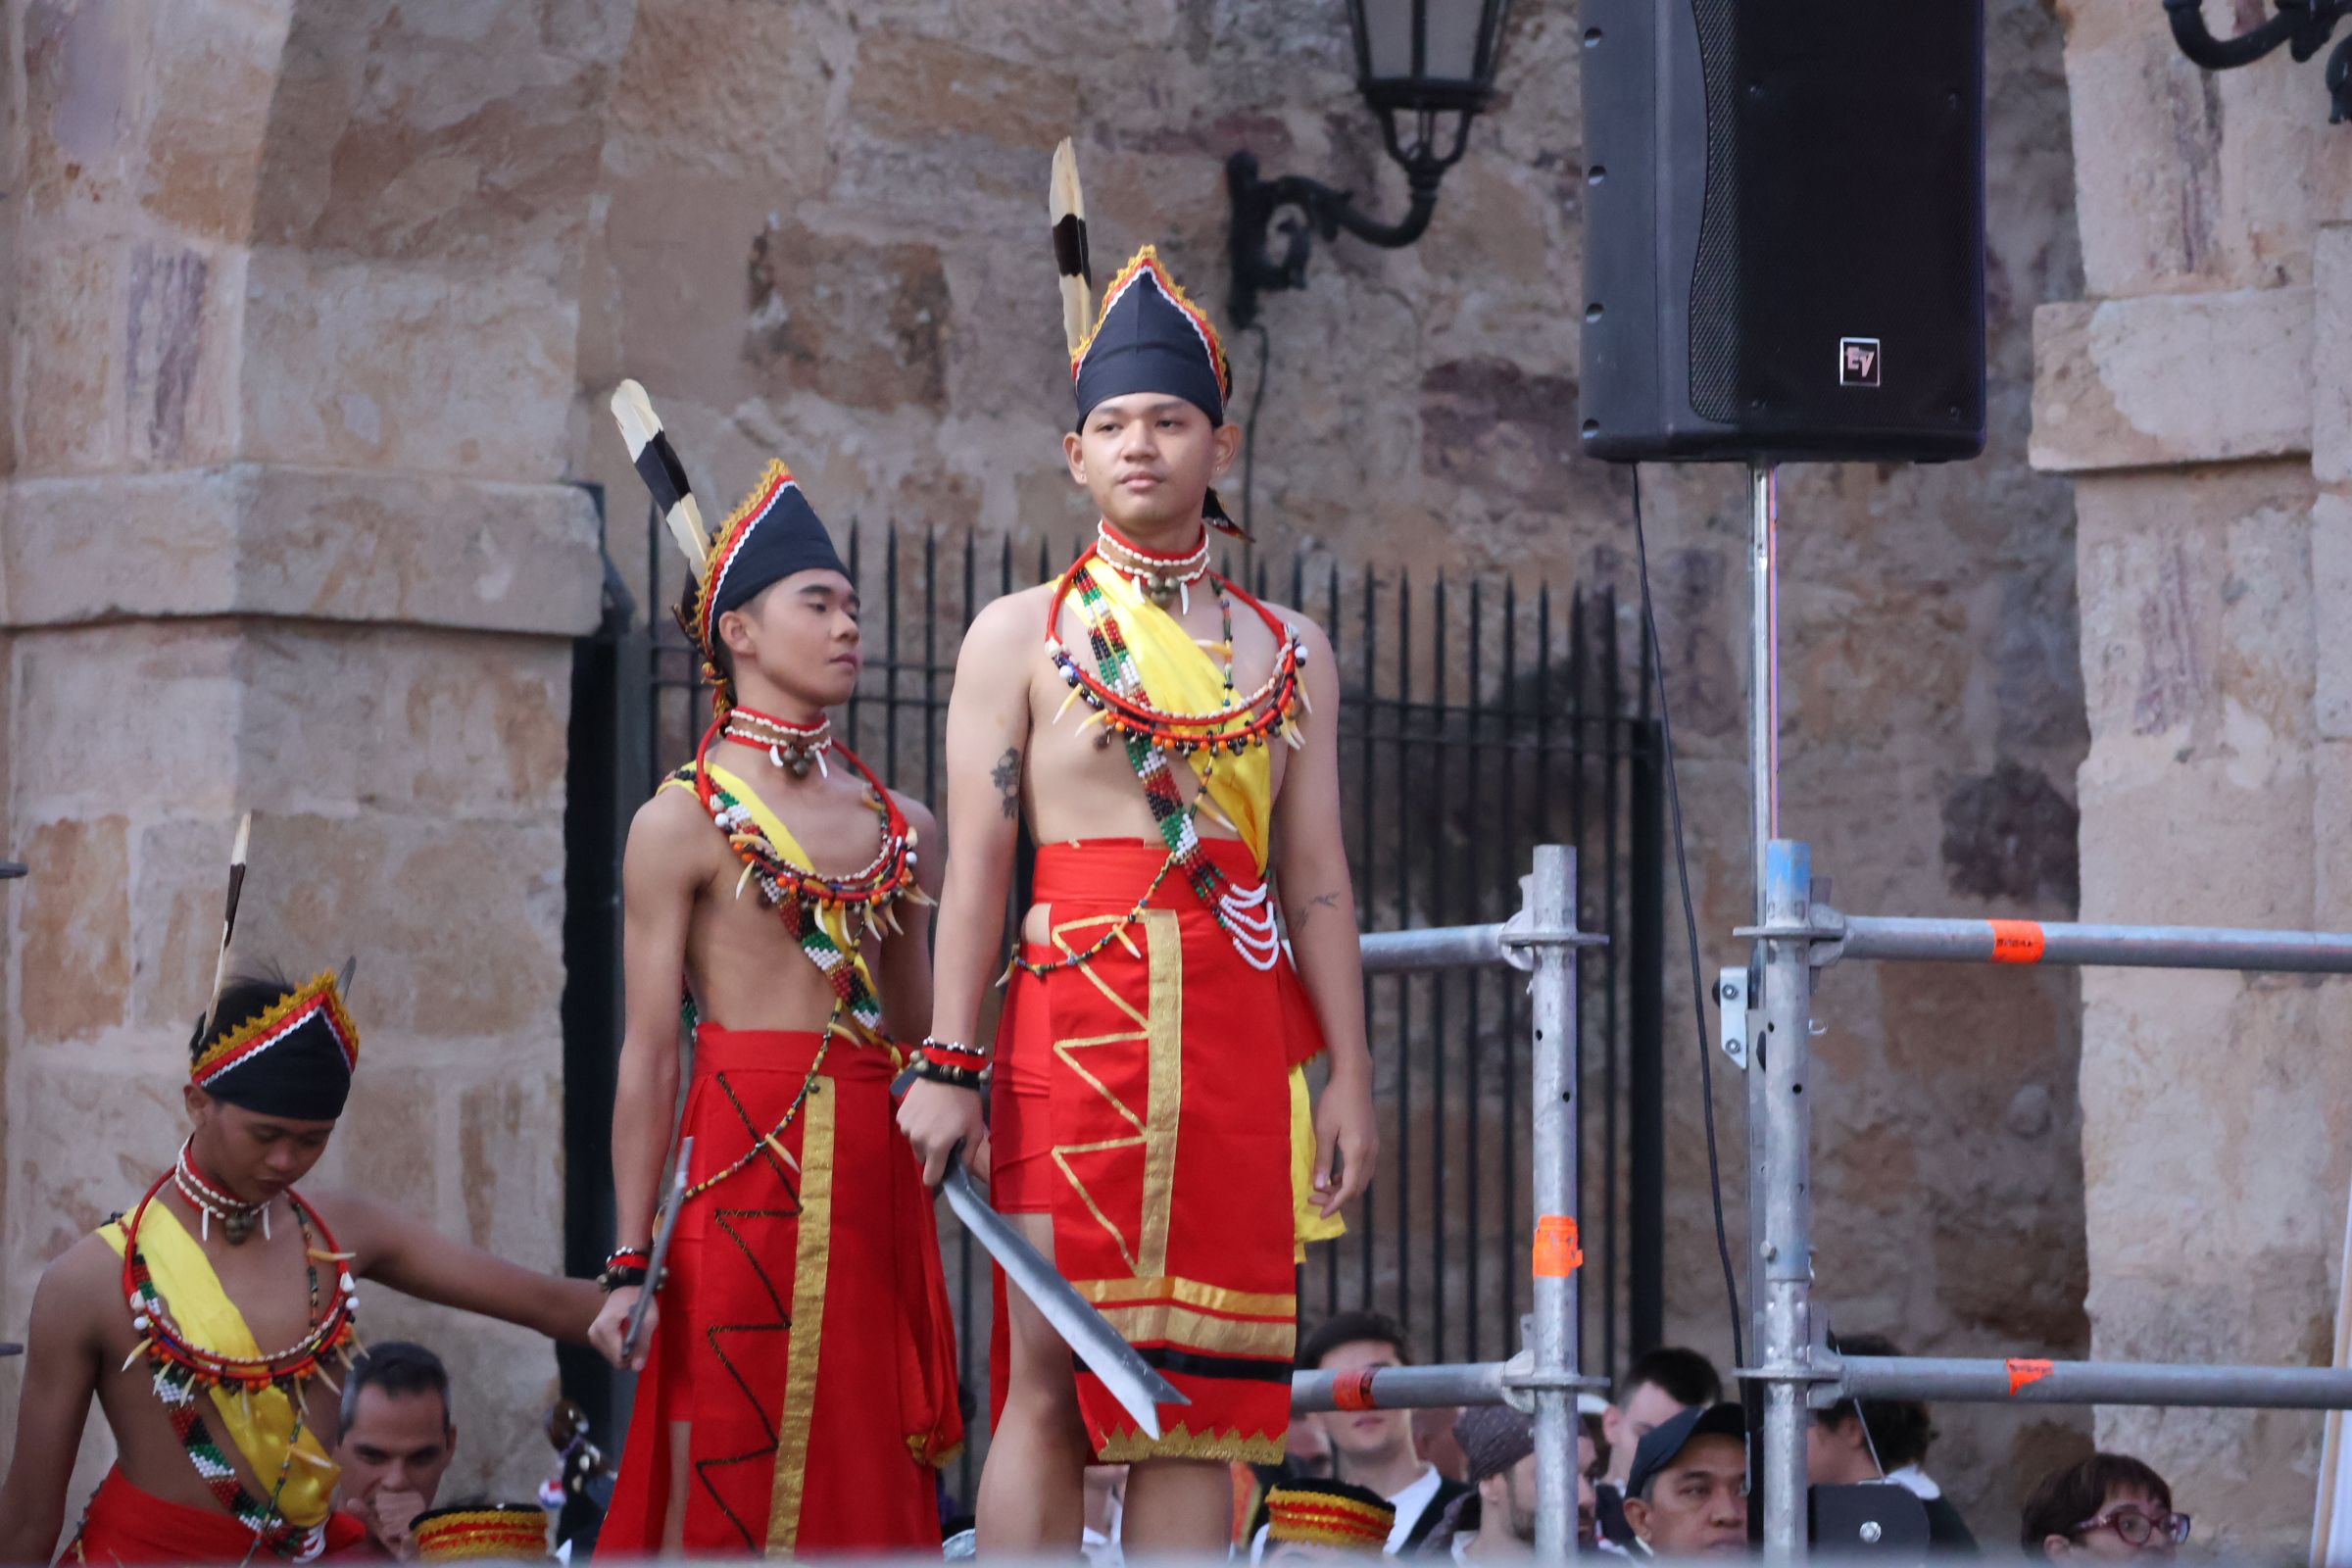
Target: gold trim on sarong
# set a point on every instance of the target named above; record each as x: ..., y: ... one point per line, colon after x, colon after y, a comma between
x: 1199, y: 1331
x: 1192, y: 1292
x: 1158, y: 1024
x: 813, y: 1248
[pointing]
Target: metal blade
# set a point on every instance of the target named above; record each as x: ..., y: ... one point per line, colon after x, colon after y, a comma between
x: 639, y: 1318
x: 1131, y: 1379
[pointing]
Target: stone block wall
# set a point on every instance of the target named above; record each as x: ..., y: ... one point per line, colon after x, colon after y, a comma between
x: 286, y: 526
x: 2195, y: 395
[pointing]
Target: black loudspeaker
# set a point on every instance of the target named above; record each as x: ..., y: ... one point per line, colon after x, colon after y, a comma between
x: 1784, y: 230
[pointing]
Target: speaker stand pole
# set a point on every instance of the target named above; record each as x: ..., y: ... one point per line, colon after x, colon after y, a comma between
x: 1764, y: 825
x: 1779, y: 1117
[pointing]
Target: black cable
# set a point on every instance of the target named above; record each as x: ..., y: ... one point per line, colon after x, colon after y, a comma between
x: 1681, y: 868
x: 1257, y: 398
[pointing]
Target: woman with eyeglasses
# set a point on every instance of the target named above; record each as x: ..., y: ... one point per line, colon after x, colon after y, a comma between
x: 2109, y: 1505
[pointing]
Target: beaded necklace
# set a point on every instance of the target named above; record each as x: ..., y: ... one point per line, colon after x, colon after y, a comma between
x: 183, y: 1369
x: 1162, y: 577
x: 797, y: 747
x: 798, y: 895
x: 236, y: 1217
x: 1123, y: 707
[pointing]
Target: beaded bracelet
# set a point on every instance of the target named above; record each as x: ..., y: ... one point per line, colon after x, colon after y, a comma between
x: 953, y: 1048
x: 932, y: 1070
x: 620, y: 1276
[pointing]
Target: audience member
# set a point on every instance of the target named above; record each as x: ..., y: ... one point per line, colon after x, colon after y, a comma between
x: 1686, y: 1492
x: 2109, y: 1505
x: 1313, y: 1521
x: 1853, y: 1441
x: 1375, y: 1448
x: 398, y: 1436
x: 1660, y: 1385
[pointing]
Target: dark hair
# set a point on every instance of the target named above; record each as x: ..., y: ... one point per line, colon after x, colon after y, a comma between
x: 1899, y: 1430
x: 2066, y: 1497
x: 1349, y: 1328
x: 1687, y: 1377
x: 246, y: 994
x: 1591, y: 1425
x: 397, y: 1367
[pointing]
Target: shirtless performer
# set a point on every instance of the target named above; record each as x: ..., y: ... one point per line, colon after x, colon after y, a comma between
x: 1172, y: 742
x: 213, y: 1318
x: 801, y: 1383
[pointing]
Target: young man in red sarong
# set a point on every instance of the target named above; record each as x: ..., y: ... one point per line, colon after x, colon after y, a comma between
x: 213, y: 1319
x: 800, y: 1388
x: 1173, y: 744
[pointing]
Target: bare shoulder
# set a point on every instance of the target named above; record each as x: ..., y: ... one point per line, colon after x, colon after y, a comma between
x: 1310, y: 634
x: 80, y: 1281
x: 1007, y: 623
x: 918, y: 817
x: 671, y: 824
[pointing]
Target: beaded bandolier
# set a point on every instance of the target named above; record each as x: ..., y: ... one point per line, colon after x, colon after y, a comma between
x: 787, y: 1125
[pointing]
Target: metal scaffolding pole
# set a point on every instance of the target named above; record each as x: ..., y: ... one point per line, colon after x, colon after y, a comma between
x: 1551, y: 910
x: 2026, y: 1382
x: 1781, y: 1062
x: 2155, y: 946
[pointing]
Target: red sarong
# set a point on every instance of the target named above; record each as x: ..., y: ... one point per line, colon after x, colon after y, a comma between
x: 804, y: 1330
x: 127, y: 1525
x: 1143, y: 1098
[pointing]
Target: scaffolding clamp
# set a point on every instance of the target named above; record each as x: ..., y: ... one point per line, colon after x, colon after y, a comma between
x: 1521, y: 1383
x: 1822, y: 931
x: 1730, y: 994
x: 1521, y: 937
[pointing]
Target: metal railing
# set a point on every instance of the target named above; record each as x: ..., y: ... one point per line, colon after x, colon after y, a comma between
x: 1795, y: 937
x: 1542, y: 940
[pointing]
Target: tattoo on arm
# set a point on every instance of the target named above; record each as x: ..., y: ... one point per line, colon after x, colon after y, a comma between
x: 1321, y: 901
x: 1006, y: 776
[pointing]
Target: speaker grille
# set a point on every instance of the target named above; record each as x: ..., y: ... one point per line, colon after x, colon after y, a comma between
x: 1715, y: 283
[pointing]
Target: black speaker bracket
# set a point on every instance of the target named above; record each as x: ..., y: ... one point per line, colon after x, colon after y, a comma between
x: 2301, y: 26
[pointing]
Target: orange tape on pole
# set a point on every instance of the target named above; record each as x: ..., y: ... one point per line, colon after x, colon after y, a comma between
x: 2023, y: 1372
x: 2017, y: 940
x: 1558, y: 1254
x: 1353, y: 1391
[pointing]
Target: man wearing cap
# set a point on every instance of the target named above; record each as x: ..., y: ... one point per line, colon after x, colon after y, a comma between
x: 1496, y: 1519
x: 1686, y: 1493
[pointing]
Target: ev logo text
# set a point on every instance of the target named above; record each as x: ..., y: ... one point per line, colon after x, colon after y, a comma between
x: 1857, y: 361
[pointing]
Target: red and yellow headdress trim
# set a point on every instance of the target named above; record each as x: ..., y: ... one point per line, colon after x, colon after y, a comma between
x: 732, y: 536
x: 1146, y: 261
x: 1310, y: 1515
x: 511, y: 1531
x: 316, y: 1004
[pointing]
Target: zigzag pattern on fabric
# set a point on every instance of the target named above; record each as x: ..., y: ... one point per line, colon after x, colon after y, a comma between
x: 712, y: 1335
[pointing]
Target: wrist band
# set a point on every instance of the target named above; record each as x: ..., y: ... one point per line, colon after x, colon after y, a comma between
x: 931, y: 1069
x: 953, y: 1048
x: 620, y: 1276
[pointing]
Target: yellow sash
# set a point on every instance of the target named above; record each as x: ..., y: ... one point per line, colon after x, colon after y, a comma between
x: 260, y: 1425
x: 1181, y: 677
x: 834, y: 918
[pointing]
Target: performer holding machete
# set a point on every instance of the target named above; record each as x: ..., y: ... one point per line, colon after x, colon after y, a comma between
x: 1173, y: 743
x: 800, y: 1386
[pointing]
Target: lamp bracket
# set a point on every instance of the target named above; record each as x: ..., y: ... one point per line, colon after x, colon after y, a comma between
x: 2302, y: 26
x: 1259, y: 266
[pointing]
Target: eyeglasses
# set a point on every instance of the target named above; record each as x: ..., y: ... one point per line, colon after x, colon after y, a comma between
x: 2138, y: 1529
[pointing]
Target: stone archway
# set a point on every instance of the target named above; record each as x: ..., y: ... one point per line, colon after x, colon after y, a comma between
x: 288, y: 527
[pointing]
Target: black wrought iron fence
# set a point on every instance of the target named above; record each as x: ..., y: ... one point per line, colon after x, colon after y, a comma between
x: 1478, y: 719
